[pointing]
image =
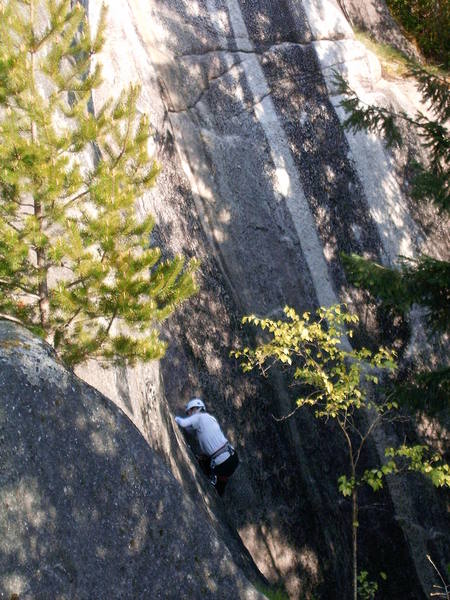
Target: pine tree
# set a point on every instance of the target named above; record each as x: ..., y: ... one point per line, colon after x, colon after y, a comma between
x: 76, y: 266
x: 424, y: 281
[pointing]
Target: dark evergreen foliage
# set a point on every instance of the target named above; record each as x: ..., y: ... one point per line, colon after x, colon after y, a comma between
x: 424, y: 281
x: 427, y: 22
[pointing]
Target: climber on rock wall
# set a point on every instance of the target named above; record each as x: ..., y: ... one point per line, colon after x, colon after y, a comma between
x: 219, y: 459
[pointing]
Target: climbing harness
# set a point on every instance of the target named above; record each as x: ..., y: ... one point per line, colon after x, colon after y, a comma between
x: 226, y: 448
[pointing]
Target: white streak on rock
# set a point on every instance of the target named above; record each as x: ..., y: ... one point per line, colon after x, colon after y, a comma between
x: 374, y: 165
x: 326, y: 20
x: 287, y: 182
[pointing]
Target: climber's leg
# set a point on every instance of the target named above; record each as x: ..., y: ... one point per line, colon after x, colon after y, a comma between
x: 224, y: 471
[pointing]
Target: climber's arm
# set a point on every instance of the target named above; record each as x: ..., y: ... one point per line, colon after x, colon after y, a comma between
x: 187, y: 423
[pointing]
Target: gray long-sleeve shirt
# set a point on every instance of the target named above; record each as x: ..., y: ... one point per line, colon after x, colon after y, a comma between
x: 207, y: 429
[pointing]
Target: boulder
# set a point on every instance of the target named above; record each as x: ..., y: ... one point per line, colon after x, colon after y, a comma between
x: 87, y: 508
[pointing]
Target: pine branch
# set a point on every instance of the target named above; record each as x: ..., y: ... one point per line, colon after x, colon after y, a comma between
x: 8, y: 284
x: 363, y: 116
x: 434, y: 89
x: 13, y: 319
x: 75, y: 198
x: 424, y: 281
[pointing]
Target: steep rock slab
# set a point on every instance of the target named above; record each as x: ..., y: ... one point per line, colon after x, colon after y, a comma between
x: 277, y: 196
x: 287, y: 538
x: 260, y: 496
x: 87, y: 508
x: 235, y: 120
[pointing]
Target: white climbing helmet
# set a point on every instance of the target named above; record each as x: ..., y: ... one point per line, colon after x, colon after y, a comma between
x: 195, y: 403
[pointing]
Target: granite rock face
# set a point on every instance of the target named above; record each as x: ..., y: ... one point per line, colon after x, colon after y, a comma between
x: 261, y: 184
x: 87, y: 508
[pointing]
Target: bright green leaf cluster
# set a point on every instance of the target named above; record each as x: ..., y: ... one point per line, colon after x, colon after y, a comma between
x: 331, y: 373
x: 374, y: 477
x: 367, y: 589
x: 336, y: 382
x: 346, y: 485
x: 418, y: 458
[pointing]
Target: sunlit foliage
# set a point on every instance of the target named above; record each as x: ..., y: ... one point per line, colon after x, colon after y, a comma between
x: 76, y: 265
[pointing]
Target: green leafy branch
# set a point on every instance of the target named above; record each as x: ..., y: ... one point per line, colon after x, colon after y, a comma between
x: 338, y: 383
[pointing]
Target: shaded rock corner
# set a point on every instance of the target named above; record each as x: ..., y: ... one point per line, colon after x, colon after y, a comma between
x: 87, y: 508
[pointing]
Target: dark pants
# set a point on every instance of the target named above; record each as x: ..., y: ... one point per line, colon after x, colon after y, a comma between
x: 223, y: 472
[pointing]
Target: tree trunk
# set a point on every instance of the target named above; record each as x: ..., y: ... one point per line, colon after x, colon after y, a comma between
x: 355, y: 542
x: 44, y: 305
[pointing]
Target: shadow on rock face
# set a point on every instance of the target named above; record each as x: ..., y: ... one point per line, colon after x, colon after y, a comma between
x: 87, y: 508
x: 374, y: 16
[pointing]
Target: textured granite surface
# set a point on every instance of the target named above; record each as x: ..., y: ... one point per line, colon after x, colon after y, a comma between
x: 87, y: 509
